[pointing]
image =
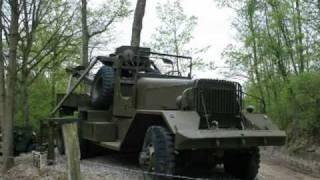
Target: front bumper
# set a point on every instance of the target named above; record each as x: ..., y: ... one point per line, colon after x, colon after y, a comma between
x: 228, y: 139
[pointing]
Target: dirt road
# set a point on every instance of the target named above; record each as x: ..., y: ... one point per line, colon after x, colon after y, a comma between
x: 271, y: 170
x: 121, y: 167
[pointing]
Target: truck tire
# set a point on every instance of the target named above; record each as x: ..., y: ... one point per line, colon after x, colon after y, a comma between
x: 243, y: 165
x: 157, y: 154
x: 60, y: 143
x: 84, y: 148
x: 102, y: 88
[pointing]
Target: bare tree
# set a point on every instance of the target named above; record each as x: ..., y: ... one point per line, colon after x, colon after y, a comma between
x: 85, y: 33
x: 137, y: 22
x: 99, y: 22
x: 8, y: 159
x: 37, y: 18
x: 2, y: 81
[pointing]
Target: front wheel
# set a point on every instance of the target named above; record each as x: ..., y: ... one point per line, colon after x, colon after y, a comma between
x: 60, y: 143
x: 242, y: 164
x: 157, y: 154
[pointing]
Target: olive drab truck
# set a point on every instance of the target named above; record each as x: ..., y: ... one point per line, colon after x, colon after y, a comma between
x: 173, y: 121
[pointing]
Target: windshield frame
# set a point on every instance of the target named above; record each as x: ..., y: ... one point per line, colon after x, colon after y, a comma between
x: 158, y: 55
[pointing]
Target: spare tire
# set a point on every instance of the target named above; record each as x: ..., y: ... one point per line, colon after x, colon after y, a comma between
x: 102, y: 88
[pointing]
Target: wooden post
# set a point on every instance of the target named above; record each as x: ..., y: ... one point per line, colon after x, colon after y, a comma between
x: 70, y: 137
x: 51, y: 155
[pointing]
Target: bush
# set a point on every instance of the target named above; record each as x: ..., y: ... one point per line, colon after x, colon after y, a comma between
x: 305, y: 105
x: 296, y: 106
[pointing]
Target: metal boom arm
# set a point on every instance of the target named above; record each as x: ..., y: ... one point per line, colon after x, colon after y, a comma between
x: 86, y: 71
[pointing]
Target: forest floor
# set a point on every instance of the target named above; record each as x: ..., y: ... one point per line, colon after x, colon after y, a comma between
x: 274, y: 166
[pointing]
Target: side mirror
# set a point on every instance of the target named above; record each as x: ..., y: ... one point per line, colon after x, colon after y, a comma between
x: 167, y: 61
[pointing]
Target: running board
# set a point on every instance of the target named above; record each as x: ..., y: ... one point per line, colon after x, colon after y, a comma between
x: 115, y: 145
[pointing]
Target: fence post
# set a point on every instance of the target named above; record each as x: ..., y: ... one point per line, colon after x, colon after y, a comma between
x: 70, y: 137
x: 51, y: 155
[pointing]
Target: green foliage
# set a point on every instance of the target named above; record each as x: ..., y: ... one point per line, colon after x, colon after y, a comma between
x: 306, y: 109
x: 102, y: 19
x: 49, y: 41
x: 174, y: 34
x: 42, y: 97
x: 278, y: 56
x: 39, y: 107
x: 298, y: 110
x: 176, y: 28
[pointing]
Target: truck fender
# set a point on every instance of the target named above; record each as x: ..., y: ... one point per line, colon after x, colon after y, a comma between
x: 181, y: 120
x: 260, y: 121
x: 173, y: 120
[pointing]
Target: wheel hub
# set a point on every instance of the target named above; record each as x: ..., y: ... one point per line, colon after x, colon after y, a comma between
x: 146, y: 158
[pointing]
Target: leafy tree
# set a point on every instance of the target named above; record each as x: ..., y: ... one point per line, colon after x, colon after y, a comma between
x: 278, y: 52
x: 94, y: 22
x: 174, y: 34
x: 2, y: 72
x: 48, y: 24
x: 97, y: 22
x: 49, y: 35
x: 8, y: 122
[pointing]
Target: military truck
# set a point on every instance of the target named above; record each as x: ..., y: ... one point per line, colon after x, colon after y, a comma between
x: 173, y: 121
x: 24, y: 140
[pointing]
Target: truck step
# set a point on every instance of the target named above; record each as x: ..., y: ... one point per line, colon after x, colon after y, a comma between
x: 115, y: 145
x: 99, y: 116
x: 99, y: 131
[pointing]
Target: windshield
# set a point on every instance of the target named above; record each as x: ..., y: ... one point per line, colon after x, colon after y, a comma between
x: 172, y: 65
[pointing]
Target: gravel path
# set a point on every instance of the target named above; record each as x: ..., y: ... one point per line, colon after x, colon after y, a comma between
x: 124, y: 167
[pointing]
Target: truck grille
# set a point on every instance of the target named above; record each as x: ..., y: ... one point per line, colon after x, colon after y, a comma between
x: 219, y: 96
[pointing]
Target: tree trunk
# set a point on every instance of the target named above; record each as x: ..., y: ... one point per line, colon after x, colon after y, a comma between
x: 251, y: 12
x: 26, y: 49
x: 137, y: 22
x: 2, y: 79
x: 85, y: 34
x: 53, y: 90
x: 284, y: 32
x: 25, y: 98
x: 300, y: 48
x: 8, y: 159
x: 85, y: 41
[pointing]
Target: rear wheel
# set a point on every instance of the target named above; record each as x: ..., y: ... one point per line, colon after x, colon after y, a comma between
x: 242, y: 164
x: 60, y: 143
x: 157, y: 155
